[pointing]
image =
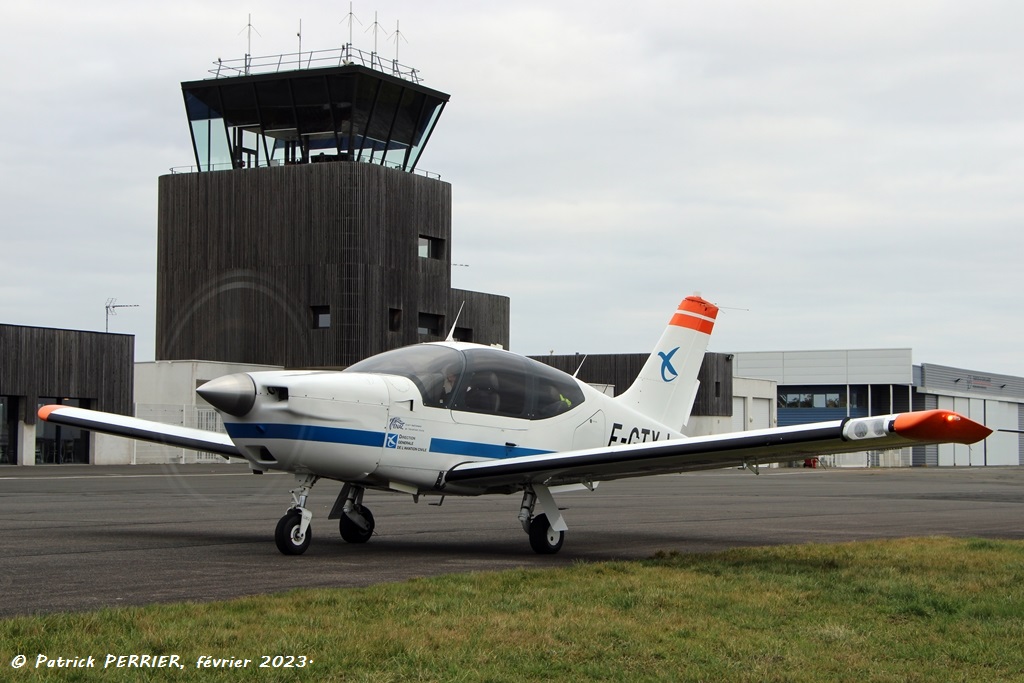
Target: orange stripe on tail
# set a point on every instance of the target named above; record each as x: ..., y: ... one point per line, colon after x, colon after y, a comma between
x: 695, y: 314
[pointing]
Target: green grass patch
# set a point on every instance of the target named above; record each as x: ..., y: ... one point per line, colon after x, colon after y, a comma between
x: 934, y: 609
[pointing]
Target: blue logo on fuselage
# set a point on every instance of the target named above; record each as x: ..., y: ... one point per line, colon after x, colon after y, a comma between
x: 668, y: 373
x: 391, y: 441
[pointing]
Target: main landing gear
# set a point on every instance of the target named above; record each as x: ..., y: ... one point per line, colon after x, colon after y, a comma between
x: 294, y: 533
x: 355, y: 521
x: 546, y: 530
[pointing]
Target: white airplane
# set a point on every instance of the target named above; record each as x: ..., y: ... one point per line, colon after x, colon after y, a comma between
x: 450, y: 418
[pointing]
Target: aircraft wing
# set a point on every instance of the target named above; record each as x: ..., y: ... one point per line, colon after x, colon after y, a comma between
x: 755, y: 447
x: 145, y: 430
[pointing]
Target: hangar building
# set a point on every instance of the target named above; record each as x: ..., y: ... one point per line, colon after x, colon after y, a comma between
x: 814, y: 386
x: 40, y: 366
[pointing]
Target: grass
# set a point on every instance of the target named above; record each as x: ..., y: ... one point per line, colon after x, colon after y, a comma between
x: 934, y: 609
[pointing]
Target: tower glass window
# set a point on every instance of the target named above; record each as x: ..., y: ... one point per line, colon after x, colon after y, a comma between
x: 335, y: 109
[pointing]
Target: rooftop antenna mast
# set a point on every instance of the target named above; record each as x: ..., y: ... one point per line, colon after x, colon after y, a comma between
x: 248, y: 50
x: 299, y: 34
x: 350, y: 18
x: 397, y: 35
x: 112, y: 307
x: 376, y: 28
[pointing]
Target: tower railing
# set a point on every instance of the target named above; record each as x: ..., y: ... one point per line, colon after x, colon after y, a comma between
x: 314, y: 59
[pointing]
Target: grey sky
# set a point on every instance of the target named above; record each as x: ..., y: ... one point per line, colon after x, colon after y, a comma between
x: 836, y: 175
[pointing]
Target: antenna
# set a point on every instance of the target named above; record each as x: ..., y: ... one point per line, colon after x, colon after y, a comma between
x: 575, y: 374
x: 248, y: 49
x: 299, y: 34
x: 112, y: 307
x: 376, y: 28
x: 397, y: 35
x: 451, y: 332
x: 350, y: 17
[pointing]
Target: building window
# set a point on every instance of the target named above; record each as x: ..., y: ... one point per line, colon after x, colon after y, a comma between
x: 820, y: 397
x: 430, y: 325
x: 8, y: 430
x: 60, y: 444
x: 394, y: 319
x: 321, y: 317
x: 463, y: 334
x: 431, y: 247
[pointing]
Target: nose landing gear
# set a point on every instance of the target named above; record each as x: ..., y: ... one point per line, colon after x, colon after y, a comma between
x: 293, y: 534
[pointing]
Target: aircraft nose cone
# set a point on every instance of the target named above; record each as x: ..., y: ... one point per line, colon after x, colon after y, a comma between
x: 231, y: 394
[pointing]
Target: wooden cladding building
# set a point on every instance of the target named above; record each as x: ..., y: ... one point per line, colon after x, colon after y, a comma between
x: 714, y: 396
x: 307, y: 239
x: 309, y: 265
x: 43, y: 365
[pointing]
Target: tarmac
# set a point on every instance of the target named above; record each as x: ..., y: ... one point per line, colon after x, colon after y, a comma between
x: 80, y: 538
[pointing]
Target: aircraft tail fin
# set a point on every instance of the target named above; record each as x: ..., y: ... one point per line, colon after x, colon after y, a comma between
x: 667, y: 385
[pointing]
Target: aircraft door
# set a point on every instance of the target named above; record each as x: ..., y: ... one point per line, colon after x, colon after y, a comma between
x: 591, y: 433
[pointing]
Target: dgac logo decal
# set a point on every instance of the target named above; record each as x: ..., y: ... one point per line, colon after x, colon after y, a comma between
x: 396, y: 423
x: 668, y: 373
x: 391, y: 441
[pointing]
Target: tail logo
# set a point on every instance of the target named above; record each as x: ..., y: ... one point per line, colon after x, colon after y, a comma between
x: 668, y: 373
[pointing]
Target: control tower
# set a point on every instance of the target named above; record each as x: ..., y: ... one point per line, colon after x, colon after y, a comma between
x: 305, y: 235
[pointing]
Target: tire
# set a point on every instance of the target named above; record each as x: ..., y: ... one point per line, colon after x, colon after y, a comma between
x: 352, y: 532
x: 543, y: 539
x: 286, y: 534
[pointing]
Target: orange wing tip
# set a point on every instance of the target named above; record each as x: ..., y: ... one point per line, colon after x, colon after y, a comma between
x: 44, y: 412
x: 941, y: 426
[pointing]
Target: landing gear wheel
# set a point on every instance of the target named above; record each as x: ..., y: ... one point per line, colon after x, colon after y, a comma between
x: 352, y: 532
x: 287, y: 535
x: 543, y: 539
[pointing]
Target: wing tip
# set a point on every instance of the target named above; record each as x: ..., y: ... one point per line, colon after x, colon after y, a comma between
x: 941, y: 426
x: 44, y: 411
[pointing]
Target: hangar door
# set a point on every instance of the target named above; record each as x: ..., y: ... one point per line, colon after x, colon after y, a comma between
x: 959, y: 455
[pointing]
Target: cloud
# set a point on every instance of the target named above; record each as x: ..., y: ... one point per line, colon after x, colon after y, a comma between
x: 837, y: 175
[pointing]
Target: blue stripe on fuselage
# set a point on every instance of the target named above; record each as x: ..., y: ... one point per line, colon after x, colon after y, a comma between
x: 362, y: 437
x: 483, y: 450
x: 355, y: 437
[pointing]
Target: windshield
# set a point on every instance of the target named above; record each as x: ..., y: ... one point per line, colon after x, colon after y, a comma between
x: 435, y: 370
x: 479, y: 380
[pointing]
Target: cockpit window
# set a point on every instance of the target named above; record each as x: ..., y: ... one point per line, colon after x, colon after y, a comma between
x: 479, y: 380
x: 495, y: 383
x: 554, y: 392
x: 435, y: 370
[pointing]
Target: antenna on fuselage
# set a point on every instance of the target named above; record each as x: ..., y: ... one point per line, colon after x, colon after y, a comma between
x: 580, y: 367
x: 451, y: 332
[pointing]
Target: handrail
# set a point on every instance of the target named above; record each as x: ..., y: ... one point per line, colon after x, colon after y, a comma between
x: 227, y: 166
x: 313, y: 59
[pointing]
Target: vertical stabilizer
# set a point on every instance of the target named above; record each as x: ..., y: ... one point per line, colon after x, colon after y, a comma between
x: 667, y: 384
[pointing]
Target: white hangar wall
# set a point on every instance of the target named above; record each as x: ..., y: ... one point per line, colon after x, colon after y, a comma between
x: 165, y: 392
x: 992, y: 399
x: 828, y: 384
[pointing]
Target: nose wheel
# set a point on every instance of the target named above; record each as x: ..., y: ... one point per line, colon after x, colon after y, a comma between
x: 289, y: 536
x: 293, y: 534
